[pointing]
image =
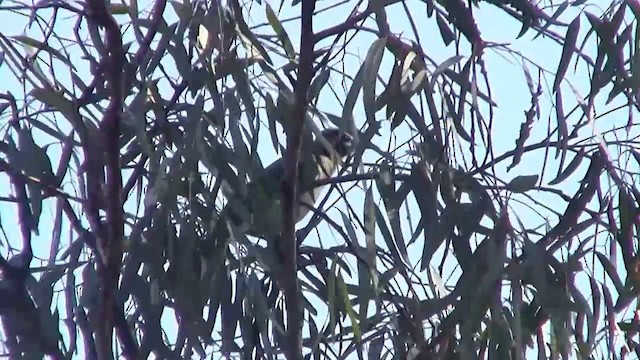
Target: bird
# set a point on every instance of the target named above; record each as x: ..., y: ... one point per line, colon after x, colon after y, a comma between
x: 259, y: 214
x: 256, y: 211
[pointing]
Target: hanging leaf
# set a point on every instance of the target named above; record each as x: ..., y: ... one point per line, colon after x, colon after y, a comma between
x: 280, y: 32
x: 563, y: 132
x: 56, y: 100
x: 353, y: 316
x: 610, y: 269
x: 318, y: 83
x: 352, y: 95
x: 445, y: 32
x: 331, y: 294
x: 525, y: 131
x: 371, y: 68
x: 441, y: 69
x: 570, y: 169
x: 567, y: 51
x: 523, y: 183
x: 44, y: 47
x: 627, y: 213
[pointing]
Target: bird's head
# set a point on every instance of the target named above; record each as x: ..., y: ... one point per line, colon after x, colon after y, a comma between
x: 341, y: 142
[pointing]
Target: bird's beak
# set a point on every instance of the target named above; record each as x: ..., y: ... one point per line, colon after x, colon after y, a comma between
x: 346, y: 145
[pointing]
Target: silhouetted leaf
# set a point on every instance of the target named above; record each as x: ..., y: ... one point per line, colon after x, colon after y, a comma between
x: 354, y: 92
x: 555, y: 16
x: 570, y: 169
x: 331, y: 294
x: 447, y: 35
x: 610, y: 269
x: 523, y: 183
x: 393, y: 199
x: 36, y: 164
x: 56, y: 100
x: 344, y: 294
x: 525, y: 131
x: 318, y: 83
x: 567, y: 51
x: 243, y: 86
x: 563, y: 132
x: 627, y: 213
x: 592, y: 323
x: 370, y: 225
x: 371, y: 66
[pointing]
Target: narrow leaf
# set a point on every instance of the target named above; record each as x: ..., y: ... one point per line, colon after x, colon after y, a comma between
x: 372, y: 66
x: 567, y: 51
x: 280, y: 32
x: 44, y: 47
x: 570, y: 169
x: 523, y: 183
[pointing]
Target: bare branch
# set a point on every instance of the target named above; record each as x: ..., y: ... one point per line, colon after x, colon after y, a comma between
x: 110, y: 240
x: 289, y: 184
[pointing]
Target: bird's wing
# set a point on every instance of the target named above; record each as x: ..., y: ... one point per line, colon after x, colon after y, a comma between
x: 260, y: 211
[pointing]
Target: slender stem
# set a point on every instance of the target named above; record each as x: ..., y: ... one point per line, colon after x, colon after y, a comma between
x: 293, y: 299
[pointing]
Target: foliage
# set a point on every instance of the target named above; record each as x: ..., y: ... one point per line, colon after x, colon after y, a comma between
x: 450, y: 232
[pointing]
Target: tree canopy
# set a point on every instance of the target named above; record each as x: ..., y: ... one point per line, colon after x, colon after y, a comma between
x: 490, y: 208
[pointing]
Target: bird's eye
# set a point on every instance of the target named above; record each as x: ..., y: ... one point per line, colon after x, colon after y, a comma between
x: 347, y: 141
x: 346, y: 144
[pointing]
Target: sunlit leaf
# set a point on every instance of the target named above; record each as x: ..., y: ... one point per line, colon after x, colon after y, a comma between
x: 442, y: 67
x: 44, y: 47
x: 344, y: 294
x: 280, y: 31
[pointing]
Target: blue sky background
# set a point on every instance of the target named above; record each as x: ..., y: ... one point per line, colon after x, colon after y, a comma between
x: 508, y: 86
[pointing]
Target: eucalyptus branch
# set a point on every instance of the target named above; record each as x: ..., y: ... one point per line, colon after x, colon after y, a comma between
x: 293, y: 299
x: 110, y: 238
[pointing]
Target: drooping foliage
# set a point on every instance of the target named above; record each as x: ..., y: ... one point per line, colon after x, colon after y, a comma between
x: 491, y: 208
